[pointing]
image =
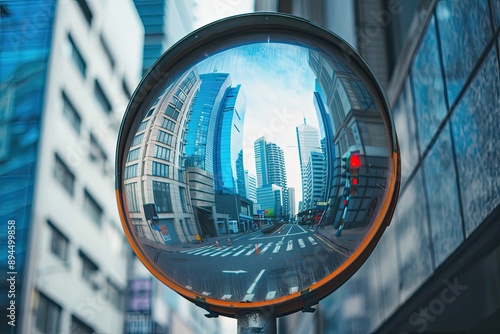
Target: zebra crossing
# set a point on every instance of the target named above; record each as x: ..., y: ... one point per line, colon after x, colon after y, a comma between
x: 252, y: 249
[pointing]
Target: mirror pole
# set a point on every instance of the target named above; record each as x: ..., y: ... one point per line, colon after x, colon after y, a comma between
x: 256, y: 322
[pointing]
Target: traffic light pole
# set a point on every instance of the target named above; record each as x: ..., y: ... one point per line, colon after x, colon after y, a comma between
x: 256, y: 322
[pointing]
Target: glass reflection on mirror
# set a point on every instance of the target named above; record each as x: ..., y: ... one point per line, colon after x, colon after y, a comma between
x: 257, y: 172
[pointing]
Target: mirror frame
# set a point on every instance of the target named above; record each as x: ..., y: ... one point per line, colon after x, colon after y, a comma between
x: 209, y: 40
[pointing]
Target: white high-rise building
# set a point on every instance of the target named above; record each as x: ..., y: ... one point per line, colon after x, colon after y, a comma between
x: 75, y: 273
x: 307, y: 141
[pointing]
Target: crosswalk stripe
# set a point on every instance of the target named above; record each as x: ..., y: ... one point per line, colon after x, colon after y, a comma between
x: 248, y: 297
x: 266, y: 248
x: 277, y: 249
x: 270, y: 295
x: 289, y: 246
x: 203, y: 250
x: 231, y: 251
x: 226, y: 297
x: 241, y: 251
x: 252, y: 250
x: 301, y: 243
x: 311, y: 239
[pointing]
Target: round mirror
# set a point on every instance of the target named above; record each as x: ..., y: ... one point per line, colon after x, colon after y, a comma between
x: 257, y: 165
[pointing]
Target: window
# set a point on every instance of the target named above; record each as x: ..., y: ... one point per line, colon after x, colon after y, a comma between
x: 160, y: 169
x: 138, y: 139
x: 168, y: 124
x: 92, y: 208
x: 114, y: 294
x: 71, y: 114
x: 162, y: 152
x: 77, y: 57
x: 101, y: 97
x: 131, y: 171
x: 84, y: 7
x: 89, y: 268
x: 107, y: 51
x: 143, y: 126
x: 182, y: 192
x: 79, y: 327
x: 161, y: 193
x: 165, y: 138
x: 48, y: 315
x: 133, y: 154
x: 63, y: 175
x: 59, y: 243
x: 132, y: 200
x: 170, y: 111
x: 97, y: 153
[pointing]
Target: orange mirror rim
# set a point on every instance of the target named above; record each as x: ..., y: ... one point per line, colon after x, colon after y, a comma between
x: 207, y: 41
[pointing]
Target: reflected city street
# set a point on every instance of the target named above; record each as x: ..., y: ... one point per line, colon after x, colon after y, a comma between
x: 257, y: 172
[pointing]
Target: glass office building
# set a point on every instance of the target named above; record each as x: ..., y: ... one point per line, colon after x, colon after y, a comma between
x: 200, y: 137
x: 64, y: 77
x: 228, y: 155
x: 436, y: 267
x: 23, y: 59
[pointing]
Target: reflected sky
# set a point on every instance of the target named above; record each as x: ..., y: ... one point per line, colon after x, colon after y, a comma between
x: 279, y: 84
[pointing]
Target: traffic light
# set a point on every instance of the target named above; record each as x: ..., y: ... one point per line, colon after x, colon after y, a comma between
x: 354, y: 166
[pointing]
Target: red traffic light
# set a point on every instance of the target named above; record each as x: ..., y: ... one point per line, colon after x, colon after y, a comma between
x: 355, y: 161
x: 354, y: 181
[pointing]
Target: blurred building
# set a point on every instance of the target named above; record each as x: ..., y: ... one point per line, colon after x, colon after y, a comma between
x: 67, y: 72
x: 165, y: 22
x: 436, y: 267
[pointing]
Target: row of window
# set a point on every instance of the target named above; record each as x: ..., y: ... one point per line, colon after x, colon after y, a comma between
x: 60, y: 245
x: 66, y: 178
x: 48, y: 318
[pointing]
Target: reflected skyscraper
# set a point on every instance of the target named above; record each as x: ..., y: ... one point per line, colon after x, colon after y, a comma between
x: 200, y: 138
x: 228, y: 154
x: 270, y: 167
x: 307, y: 142
x: 156, y: 182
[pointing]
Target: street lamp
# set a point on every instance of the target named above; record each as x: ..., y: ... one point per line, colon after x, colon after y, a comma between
x: 277, y: 61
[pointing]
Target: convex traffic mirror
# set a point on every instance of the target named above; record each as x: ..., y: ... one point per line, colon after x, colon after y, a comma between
x: 257, y: 165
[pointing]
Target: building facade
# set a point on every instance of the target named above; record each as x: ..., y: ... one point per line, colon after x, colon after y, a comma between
x: 271, y: 170
x: 156, y: 183
x: 67, y: 78
x: 432, y: 269
x: 307, y: 142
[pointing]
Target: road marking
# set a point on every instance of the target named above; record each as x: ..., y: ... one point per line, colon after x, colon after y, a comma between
x: 206, y: 293
x: 270, y: 295
x: 277, y: 249
x: 210, y: 252
x: 301, y: 243
x: 241, y: 251
x: 217, y: 253
x: 203, y: 251
x: 293, y: 289
x: 250, y: 289
x: 311, y: 239
x: 226, y: 297
x: 289, y: 247
x: 229, y: 253
x: 191, y: 251
x: 252, y: 250
x: 234, y: 271
x: 248, y: 298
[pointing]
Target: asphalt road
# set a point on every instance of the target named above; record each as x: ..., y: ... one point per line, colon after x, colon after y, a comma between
x: 253, y: 266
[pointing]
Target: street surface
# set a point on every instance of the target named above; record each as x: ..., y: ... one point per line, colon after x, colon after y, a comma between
x: 252, y: 266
